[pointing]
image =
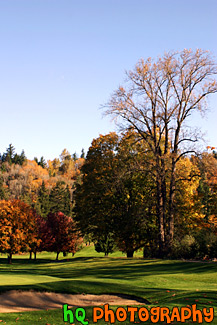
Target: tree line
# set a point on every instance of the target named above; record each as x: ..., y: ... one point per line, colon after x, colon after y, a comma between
x: 147, y: 187
x: 36, y: 203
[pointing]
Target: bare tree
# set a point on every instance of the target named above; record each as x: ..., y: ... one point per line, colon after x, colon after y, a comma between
x: 157, y: 102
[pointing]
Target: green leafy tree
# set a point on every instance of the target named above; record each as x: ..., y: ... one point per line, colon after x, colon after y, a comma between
x: 135, y: 217
x: 93, y: 197
x: 114, y: 199
x: 106, y: 244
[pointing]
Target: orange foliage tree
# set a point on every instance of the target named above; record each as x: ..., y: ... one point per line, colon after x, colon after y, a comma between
x: 17, y: 227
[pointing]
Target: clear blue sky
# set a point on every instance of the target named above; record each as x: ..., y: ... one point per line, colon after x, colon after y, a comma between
x: 61, y: 59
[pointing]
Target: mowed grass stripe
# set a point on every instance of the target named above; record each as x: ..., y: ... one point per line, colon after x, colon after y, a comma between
x: 161, y: 282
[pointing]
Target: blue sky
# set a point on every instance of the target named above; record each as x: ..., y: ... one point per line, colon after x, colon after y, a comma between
x: 60, y: 60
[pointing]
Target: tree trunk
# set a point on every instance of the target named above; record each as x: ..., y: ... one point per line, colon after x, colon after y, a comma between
x: 30, y: 255
x: 171, y: 206
x: 57, y: 256
x: 130, y: 254
x: 35, y: 255
x: 160, y: 216
x: 10, y: 258
x: 173, y: 186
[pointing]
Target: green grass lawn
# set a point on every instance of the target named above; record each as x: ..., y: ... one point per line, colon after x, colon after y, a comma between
x: 161, y: 282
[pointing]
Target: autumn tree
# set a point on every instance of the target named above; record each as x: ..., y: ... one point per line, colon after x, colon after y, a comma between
x: 60, y: 234
x: 189, y: 214
x: 23, y: 182
x: 157, y: 102
x: 17, y: 227
x: 53, y: 167
x: 207, y: 164
x: 34, y: 236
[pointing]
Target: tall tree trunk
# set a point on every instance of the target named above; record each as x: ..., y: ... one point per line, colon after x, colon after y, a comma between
x: 30, y: 255
x: 57, y: 256
x: 171, y: 205
x: 173, y: 185
x: 35, y: 255
x: 164, y: 199
x: 160, y: 216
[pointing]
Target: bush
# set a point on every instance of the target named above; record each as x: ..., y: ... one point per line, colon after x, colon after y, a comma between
x: 187, y: 248
x: 106, y: 245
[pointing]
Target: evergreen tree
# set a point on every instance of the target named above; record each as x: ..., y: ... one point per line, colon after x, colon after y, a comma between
x: 74, y: 156
x: 68, y: 202
x: 57, y: 198
x: 19, y: 159
x: 9, y: 154
x: 36, y: 160
x: 43, y: 204
x: 22, y: 157
x: 82, y: 153
x: 12, y: 157
x: 40, y: 162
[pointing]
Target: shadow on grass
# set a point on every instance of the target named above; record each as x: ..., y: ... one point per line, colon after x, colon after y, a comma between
x: 104, y: 268
x: 26, y: 261
x: 125, y: 269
